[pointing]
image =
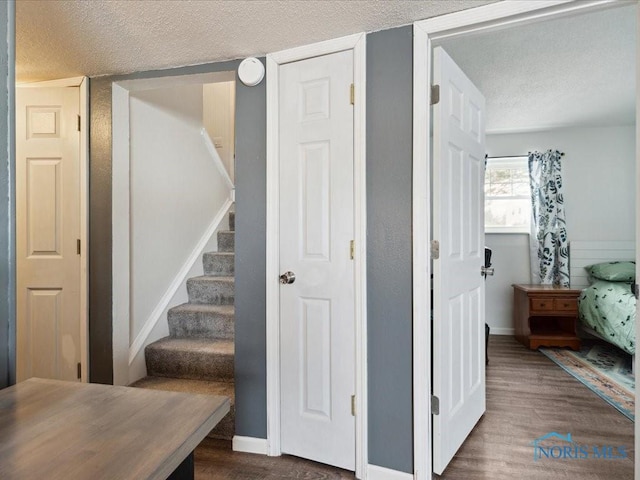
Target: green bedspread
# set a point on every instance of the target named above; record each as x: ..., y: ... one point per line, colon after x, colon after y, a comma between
x: 609, y: 308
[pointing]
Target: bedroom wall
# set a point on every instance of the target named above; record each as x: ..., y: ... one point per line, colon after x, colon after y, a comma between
x: 599, y: 178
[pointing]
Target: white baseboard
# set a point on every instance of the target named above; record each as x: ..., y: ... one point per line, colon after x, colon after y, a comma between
x: 250, y: 445
x: 502, y: 331
x: 380, y: 473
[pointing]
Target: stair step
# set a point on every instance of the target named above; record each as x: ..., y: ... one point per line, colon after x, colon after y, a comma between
x: 226, y: 428
x: 226, y: 240
x: 201, y: 321
x: 191, y: 358
x: 211, y: 290
x: 218, y: 264
x: 232, y: 221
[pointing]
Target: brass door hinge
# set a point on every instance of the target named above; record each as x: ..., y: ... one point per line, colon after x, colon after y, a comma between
x: 78, y: 246
x: 435, y: 94
x: 79, y: 370
x: 435, y: 405
x: 353, y: 405
x: 435, y: 249
x: 353, y: 94
x: 352, y: 249
x: 79, y: 122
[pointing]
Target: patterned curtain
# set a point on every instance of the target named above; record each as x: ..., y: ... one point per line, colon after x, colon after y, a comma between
x: 548, y: 240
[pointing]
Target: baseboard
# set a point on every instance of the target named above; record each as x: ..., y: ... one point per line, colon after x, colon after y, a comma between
x: 502, y: 331
x: 375, y: 472
x: 250, y: 445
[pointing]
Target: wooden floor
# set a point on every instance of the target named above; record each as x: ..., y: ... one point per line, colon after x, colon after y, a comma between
x: 527, y: 396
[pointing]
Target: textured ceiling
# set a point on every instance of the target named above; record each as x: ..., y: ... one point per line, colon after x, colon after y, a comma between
x: 566, y: 72
x: 576, y: 71
x: 59, y: 39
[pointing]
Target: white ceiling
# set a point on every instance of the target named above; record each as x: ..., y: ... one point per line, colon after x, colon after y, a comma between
x: 60, y: 39
x: 575, y: 71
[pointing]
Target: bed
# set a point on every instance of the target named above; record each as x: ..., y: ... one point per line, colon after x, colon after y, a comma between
x: 605, y: 271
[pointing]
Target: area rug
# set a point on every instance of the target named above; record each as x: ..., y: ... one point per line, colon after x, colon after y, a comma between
x: 604, y: 369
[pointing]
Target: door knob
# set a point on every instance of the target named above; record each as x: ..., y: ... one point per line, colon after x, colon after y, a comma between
x: 484, y: 271
x: 287, y: 278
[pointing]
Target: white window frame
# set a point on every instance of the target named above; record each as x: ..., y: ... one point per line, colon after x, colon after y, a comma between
x: 508, y: 162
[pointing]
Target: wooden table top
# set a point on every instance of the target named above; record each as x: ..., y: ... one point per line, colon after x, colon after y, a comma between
x: 51, y: 430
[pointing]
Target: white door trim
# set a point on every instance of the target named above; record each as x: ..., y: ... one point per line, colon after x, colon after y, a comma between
x: 487, y: 17
x: 357, y: 44
x: 83, y: 84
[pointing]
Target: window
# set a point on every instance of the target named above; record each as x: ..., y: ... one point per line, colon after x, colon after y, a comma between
x: 507, y: 195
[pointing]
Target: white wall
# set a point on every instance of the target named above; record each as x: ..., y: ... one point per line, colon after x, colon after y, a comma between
x: 176, y: 190
x: 511, y: 263
x: 219, y: 120
x: 599, y: 189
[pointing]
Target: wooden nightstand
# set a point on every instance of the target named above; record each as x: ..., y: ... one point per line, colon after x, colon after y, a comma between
x: 546, y: 315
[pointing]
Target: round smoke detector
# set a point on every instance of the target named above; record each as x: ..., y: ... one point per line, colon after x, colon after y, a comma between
x: 251, y: 71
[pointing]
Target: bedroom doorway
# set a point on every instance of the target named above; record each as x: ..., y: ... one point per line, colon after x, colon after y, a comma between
x: 427, y: 35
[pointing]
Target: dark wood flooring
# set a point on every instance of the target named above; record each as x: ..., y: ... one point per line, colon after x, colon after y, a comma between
x: 527, y: 397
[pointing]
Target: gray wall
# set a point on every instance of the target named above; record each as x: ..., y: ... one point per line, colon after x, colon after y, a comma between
x: 389, y: 147
x: 389, y: 289
x: 7, y: 193
x: 250, y: 267
x: 100, y: 295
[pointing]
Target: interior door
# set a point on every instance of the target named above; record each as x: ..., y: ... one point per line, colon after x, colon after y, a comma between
x: 317, y: 323
x: 458, y: 286
x: 47, y: 230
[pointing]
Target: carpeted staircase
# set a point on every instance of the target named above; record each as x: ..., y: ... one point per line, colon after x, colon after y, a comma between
x: 197, y: 356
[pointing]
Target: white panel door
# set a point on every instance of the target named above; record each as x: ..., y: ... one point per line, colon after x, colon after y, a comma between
x: 317, y: 324
x: 47, y: 230
x: 458, y: 224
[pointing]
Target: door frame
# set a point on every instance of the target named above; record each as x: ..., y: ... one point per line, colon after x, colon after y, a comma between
x: 357, y: 43
x: 466, y: 22
x: 83, y: 84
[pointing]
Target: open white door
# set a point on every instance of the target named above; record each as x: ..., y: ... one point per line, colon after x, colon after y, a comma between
x: 458, y: 286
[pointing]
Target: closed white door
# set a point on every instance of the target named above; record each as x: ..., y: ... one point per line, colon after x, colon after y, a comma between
x: 317, y: 324
x: 458, y: 226
x: 47, y: 230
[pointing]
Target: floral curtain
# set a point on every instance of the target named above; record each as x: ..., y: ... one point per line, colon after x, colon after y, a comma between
x: 548, y: 240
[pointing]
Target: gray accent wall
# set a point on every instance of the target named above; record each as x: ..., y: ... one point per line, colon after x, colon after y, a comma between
x: 100, y: 277
x: 389, y: 261
x: 7, y: 193
x: 250, y: 267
